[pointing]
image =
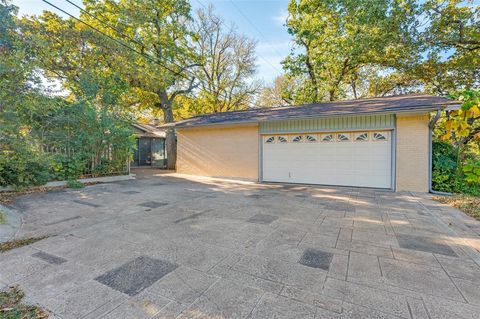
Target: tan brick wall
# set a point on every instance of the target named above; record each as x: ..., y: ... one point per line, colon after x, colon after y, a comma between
x: 412, y: 153
x: 230, y: 152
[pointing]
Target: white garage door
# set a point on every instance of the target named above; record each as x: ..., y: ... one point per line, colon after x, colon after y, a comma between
x: 341, y: 158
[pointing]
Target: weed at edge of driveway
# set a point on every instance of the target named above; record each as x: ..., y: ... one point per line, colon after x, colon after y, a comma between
x: 2, y: 217
x: 11, y: 306
x: 16, y: 243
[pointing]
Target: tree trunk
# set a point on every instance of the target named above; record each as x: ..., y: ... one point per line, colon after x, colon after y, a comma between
x: 171, y: 147
x: 170, y: 138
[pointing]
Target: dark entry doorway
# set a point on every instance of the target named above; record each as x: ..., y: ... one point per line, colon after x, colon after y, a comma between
x: 144, y: 151
x: 150, y: 152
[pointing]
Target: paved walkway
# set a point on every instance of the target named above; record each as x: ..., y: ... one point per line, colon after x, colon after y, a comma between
x: 164, y: 246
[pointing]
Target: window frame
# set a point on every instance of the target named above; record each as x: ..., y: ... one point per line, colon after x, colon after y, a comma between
x: 385, y: 134
x: 267, y: 138
x: 314, y: 136
x: 331, y: 135
x: 282, y: 139
x: 347, y: 135
x: 301, y: 140
x: 357, y: 135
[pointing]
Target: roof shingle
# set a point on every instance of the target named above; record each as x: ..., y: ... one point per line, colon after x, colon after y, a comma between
x: 392, y: 104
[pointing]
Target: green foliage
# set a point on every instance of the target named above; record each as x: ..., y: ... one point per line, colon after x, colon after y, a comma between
x: 472, y: 171
x: 444, y: 166
x: 12, y: 305
x: 74, y: 184
x: 336, y: 39
x: 448, y: 177
x: 23, y: 169
x: 46, y: 138
x: 353, y: 49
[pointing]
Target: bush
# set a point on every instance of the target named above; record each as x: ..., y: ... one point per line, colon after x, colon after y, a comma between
x: 68, y: 142
x: 444, y: 175
x: 23, y: 167
x: 447, y: 177
x: 74, y: 184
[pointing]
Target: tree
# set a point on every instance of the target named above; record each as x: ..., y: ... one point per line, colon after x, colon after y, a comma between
x: 161, y: 30
x: 152, y: 50
x: 451, y: 45
x: 335, y: 39
x: 461, y: 130
x: 453, y: 24
x: 274, y: 94
x: 227, y: 67
x: 463, y: 125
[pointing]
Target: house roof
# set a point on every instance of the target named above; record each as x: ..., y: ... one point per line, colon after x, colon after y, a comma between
x: 392, y: 104
x: 148, y: 130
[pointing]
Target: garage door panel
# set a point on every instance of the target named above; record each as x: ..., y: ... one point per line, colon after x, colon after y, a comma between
x: 350, y: 163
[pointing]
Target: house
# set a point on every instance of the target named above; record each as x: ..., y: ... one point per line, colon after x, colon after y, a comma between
x: 378, y: 142
x: 150, y: 150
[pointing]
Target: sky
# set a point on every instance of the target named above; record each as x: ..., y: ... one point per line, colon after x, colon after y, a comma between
x: 262, y: 20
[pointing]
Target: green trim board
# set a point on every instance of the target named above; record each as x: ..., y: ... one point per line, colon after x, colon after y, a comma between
x: 382, y: 121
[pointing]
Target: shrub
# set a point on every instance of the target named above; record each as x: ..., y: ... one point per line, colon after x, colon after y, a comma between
x: 23, y: 167
x: 472, y: 171
x: 74, y: 184
x: 444, y: 175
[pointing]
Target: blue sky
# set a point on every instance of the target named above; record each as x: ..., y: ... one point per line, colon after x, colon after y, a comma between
x: 261, y: 20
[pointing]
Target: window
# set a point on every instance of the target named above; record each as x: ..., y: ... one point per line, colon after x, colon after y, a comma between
x: 269, y: 140
x: 343, y: 137
x: 361, y: 137
x: 297, y: 139
x: 282, y: 139
x: 380, y: 136
x: 311, y: 138
x: 327, y: 138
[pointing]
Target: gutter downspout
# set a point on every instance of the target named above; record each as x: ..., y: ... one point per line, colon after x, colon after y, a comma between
x: 431, y: 125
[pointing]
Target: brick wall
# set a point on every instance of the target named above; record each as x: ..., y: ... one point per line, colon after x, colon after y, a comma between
x: 412, y: 153
x: 230, y: 152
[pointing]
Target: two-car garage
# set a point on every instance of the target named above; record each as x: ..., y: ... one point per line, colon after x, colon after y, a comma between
x: 377, y: 143
x: 360, y: 158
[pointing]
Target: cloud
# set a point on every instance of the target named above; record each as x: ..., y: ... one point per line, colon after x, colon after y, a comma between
x: 279, y: 46
x: 281, y: 17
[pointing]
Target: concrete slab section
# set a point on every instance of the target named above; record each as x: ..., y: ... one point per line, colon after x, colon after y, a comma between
x: 429, y: 245
x: 152, y: 204
x: 262, y: 219
x: 223, y: 249
x: 316, y: 259
x: 55, y: 260
x: 136, y: 275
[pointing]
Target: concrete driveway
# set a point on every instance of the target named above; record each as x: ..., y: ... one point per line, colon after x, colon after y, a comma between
x: 167, y: 246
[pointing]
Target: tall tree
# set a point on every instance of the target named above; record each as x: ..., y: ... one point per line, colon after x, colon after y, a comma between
x: 335, y: 39
x: 275, y: 94
x: 159, y: 29
x: 149, y: 44
x: 228, y: 65
x: 451, y: 45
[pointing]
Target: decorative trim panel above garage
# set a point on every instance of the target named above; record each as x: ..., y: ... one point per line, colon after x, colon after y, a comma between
x: 384, y: 121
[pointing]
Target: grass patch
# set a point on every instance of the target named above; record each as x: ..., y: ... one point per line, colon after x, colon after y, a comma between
x: 468, y: 204
x: 72, y: 183
x: 3, y: 219
x: 11, y: 306
x: 7, y: 198
x: 16, y: 243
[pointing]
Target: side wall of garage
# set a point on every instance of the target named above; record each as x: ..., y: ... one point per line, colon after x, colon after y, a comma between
x: 230, y: 152
x: 412, y: 153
